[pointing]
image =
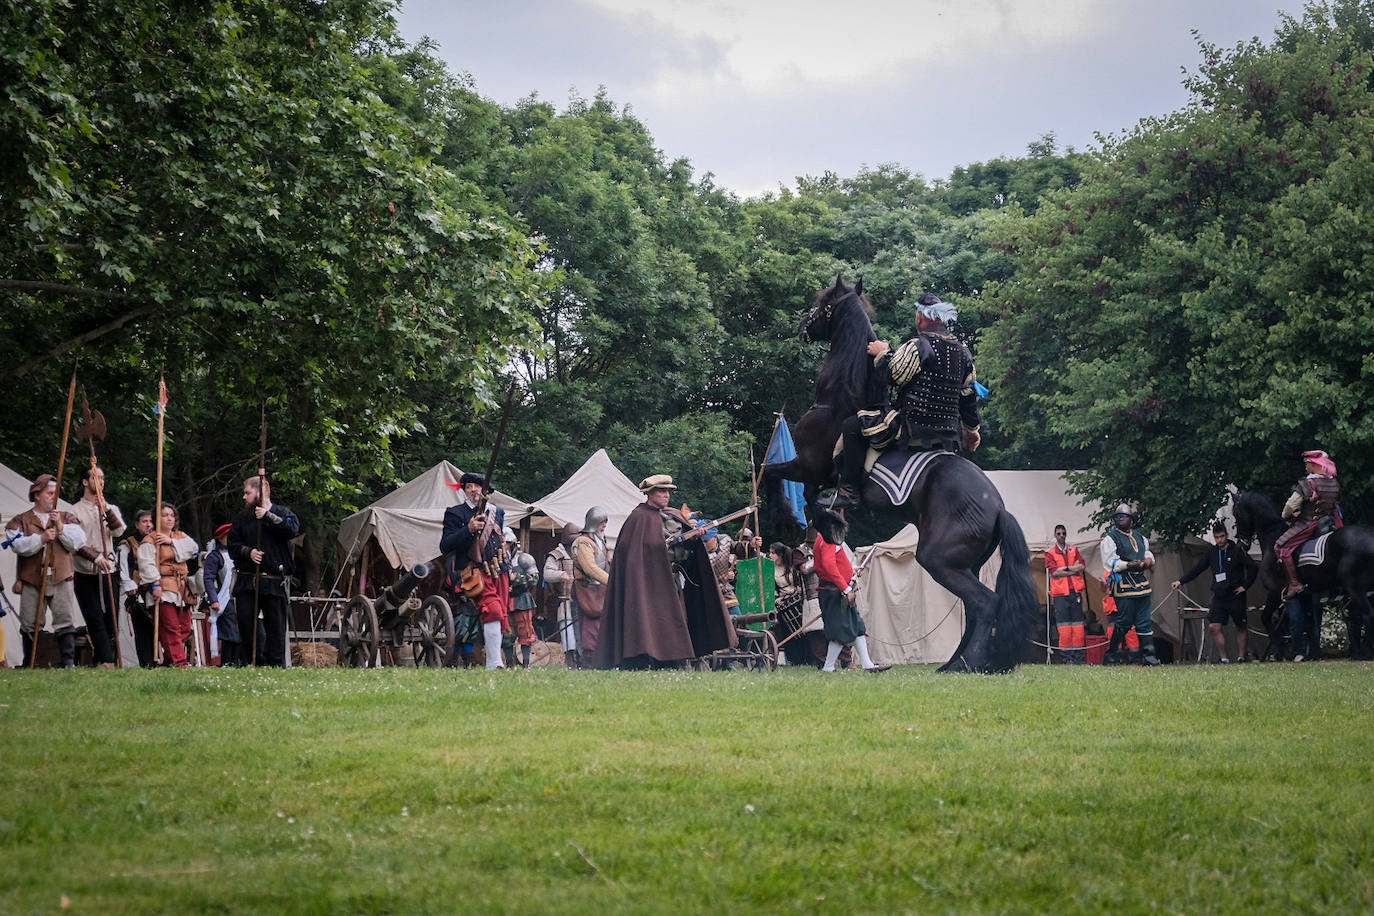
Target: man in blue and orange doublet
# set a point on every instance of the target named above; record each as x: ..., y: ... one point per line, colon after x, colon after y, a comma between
x: 1064, y: 568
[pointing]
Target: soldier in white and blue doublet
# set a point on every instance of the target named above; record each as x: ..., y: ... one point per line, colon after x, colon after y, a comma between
x: 1127, y: 560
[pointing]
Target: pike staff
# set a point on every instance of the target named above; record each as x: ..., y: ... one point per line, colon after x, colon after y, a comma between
x: 758, y: 531
x: 92, y: 428
x: 48, y: 551
x: 161, y: 410
x: 262, y: 478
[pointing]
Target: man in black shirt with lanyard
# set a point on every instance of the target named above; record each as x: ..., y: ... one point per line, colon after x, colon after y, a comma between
x: 1232, y: 573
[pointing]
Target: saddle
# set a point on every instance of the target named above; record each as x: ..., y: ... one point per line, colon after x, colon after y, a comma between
x: 897, y: 471
x: 1313, y: 552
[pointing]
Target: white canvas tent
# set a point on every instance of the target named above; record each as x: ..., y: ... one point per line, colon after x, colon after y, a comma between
x: 913, y: 620
x: 408, y: 522
x: 597, y: 483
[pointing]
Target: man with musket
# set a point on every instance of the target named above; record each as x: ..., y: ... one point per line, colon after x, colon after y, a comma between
x: 647, y: 621
x: 260, y: 543
x: 46, y: 540
x: 473, y: 539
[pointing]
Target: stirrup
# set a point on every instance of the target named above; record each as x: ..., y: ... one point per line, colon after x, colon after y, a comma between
x: 844, y: 498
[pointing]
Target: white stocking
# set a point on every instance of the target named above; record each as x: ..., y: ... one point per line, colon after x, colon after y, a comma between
x: 832, y: 653
x: 491, y: 636
x: 861, y: 647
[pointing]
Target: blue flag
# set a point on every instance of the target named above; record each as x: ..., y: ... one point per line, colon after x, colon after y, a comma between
x: 779, y: 450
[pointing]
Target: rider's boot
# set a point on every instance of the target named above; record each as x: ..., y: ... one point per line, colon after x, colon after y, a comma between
x: 1290, y: 566
x: 855, y: 450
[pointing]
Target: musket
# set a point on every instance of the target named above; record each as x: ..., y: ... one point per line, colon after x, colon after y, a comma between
x: 262, y: 478
x: 848, y: 590
x: 48, y: 553
x: 91, y: 428
x: 706, y: 526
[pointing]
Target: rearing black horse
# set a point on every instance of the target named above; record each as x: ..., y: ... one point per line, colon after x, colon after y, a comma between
x: 1348, y: 565
x: 958, y: 512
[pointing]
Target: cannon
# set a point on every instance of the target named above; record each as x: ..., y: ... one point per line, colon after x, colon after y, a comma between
x: 400, y: 621
x: 757, y: 649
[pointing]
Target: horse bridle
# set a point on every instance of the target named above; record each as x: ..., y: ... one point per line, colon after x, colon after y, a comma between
x: 827, y: 311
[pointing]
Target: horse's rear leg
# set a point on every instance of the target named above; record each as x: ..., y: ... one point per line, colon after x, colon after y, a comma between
x: 974, y: 651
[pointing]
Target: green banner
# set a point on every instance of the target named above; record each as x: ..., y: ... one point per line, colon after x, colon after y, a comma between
x: 755, y: 596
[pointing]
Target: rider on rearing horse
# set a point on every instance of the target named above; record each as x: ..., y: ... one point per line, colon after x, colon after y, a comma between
x: 1314, y: 498
x: 933, y: 404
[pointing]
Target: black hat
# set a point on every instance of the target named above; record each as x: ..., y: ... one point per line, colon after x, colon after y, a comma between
x: 471, y: 478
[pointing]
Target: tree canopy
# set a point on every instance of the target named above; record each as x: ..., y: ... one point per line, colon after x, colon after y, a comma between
x: 284, y: 204
x: 1195, y: 312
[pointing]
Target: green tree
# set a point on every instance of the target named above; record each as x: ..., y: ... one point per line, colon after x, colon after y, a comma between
x: 223, y: 191
x: 1194, y: 313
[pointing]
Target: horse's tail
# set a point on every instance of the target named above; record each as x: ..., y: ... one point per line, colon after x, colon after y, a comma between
x: 1016, y: 596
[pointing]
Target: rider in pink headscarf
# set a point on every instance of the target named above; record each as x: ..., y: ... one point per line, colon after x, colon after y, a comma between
x: 1314, y: 498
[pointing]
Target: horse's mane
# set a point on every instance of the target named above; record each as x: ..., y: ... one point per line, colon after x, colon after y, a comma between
x: 1260, y: 509
x: 843, y: 380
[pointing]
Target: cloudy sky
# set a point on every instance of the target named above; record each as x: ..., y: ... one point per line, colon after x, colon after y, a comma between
x: 759, y: 92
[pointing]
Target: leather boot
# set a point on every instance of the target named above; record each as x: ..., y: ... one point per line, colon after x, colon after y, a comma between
x: 1290, y: 566
x: 570, y: 659
x: 1113, y: 654
x: 66, y: 646
x: 851, y: 470
x: 28, y: 649
x: 1147, y: 652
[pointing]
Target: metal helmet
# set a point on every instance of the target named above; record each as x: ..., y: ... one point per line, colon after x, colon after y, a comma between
x: 596, y: 516
x: 509, y: 535
x: 526, y: 564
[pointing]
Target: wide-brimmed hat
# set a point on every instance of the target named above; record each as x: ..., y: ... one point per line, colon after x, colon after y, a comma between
x: 221, y: 531
x: 657, y: 482
x: 40, y: 484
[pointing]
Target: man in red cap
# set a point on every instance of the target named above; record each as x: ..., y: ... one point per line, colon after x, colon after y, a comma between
x: 45, y: 539
x: 1314, y: 498
x: 217, y: 575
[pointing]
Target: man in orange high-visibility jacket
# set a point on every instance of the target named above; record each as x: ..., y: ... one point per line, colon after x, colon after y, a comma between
x: 1064, y: 568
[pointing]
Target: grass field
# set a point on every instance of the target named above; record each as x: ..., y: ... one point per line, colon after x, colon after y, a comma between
x: 1177, y: 790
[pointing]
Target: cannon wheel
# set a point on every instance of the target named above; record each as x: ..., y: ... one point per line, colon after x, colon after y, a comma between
x: 432, y: 642
x: 359, y: 635
x: 767, y: 657
x: 758, y: 649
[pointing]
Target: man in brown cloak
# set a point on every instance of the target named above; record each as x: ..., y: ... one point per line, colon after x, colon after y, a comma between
x: 647, y: 621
